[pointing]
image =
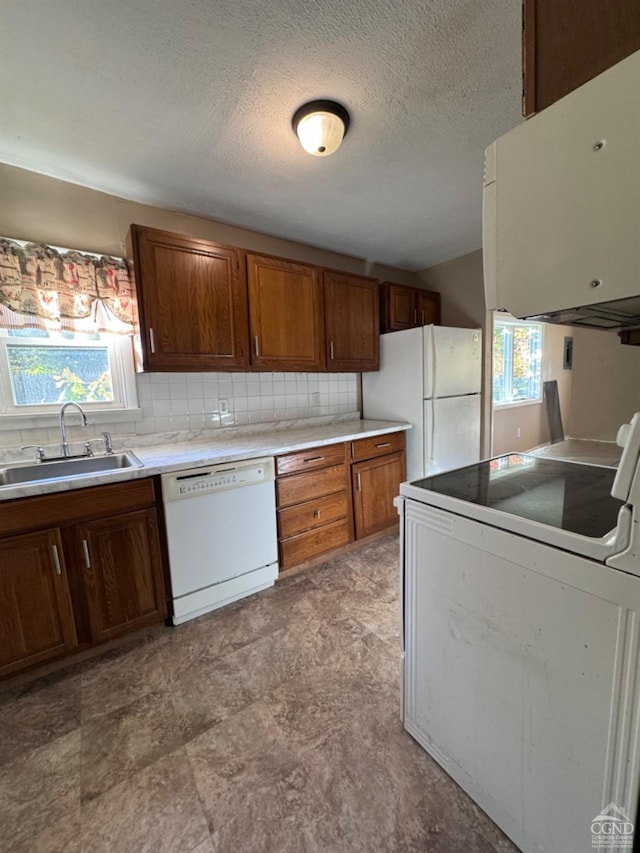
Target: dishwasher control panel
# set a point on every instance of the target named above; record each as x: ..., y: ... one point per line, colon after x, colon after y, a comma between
x: 214, y: 478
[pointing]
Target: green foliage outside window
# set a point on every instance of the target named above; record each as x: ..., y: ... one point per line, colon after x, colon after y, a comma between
x: 517, y: 361
x: 58, y: 374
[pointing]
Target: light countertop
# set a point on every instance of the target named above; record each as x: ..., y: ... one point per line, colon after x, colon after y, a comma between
x: 174, y: 452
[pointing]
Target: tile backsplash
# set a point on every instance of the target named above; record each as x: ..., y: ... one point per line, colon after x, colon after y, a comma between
x: 195, y: 401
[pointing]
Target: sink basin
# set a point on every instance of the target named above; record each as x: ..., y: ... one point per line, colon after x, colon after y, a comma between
x: 23, y: 473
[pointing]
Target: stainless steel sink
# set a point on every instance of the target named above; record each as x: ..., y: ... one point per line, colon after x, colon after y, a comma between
x: 23, y: 473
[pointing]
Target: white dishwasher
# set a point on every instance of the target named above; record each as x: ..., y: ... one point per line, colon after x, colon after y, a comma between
x: 221, y: 532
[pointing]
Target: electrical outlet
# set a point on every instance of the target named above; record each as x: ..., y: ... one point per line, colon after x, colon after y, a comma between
x: 315, y: 398
x: 223, y: 407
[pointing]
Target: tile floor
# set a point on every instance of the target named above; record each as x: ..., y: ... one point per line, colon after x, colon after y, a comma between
x: 272, y: 725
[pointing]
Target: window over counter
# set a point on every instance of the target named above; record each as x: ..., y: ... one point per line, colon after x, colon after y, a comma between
x: 66, y: 330
x: 517, y: 361
x: 40, y: 370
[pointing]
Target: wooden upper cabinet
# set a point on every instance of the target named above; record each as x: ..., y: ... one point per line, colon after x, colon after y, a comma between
x: 193, y: 302
x: 286, y: 314
x: 568, y: 42
x: 401, y: 308
x: 405, y: 307
x: 427, y: 307
x: 352, y: 322
x: 36, y: 618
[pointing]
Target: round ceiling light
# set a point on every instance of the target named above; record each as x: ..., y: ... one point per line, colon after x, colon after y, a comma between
x: 321, y: 126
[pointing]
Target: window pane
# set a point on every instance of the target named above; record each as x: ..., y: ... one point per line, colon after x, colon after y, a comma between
x: 517, y: 360
x: 499, y: 363
x: 57, y: 374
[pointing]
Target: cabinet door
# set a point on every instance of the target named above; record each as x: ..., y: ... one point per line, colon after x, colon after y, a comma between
x: 352, y: 322
x: 428, y: 307
x: 286, y: 318
x: 401, y: 308
x: 122, y: 575
x: 567, y: 43
x: 193, y: 302
x: 36, y: 619
x: 375, y: 484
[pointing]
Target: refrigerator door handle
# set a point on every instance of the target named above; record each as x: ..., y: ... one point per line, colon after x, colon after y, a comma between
x: 434, y: 372
x: 432, y: 449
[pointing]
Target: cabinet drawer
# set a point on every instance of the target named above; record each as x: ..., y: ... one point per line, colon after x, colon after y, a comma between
x: 306, y: 516
x: 306, y: 487
x: 310, y: 460
x: 307, y: 545
x: 63, y: 507
x: 379, y: 445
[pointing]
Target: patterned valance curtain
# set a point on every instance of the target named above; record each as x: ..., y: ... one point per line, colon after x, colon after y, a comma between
x: 46, y: 288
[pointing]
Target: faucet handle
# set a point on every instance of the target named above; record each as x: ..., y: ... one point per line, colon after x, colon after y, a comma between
x: 108, y: 446
x: 40, y: 454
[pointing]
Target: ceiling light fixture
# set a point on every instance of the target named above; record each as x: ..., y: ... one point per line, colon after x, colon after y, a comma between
x: 321, y: 126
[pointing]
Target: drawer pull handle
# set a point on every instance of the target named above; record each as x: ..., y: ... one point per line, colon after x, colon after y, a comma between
x: 316, y: 513
x: 87, y: 558
x: 359, y: 483
x: 331, y: 349
x: 56, y: 559
x: 384, y: 444
x: 314, y: 459
x: 257, y: 343
x: 152, y: 340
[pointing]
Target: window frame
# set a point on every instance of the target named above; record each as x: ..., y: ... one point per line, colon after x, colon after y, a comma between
x: 508, y: 320
x: 121, y: 363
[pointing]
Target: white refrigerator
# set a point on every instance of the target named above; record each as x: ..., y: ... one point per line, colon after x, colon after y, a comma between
x: 431, y: 377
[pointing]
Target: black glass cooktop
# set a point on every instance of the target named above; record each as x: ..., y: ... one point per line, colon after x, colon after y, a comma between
x: 566, y: 495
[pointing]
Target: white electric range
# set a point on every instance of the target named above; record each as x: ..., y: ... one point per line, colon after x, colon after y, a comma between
x: 521, y: 672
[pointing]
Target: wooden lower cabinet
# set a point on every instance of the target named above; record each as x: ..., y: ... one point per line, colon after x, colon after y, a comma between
x: 92, y: 572
x: 328, y: 496
x: 312, y: 491
x: 376, y: 482
x: 36, y: 619
x: 119, y: 557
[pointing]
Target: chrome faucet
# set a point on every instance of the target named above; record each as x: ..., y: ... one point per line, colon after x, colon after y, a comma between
x: 64, y: 444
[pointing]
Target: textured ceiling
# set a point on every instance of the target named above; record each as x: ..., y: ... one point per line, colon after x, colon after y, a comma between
x: 187, y: 105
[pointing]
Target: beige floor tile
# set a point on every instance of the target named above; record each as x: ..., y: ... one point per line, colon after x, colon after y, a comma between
x: 39, y: 788
x: 118, y: 744
x: 122, y: 678
x: 60, y: 837
x: 155, y: 811
x: 38, y: 712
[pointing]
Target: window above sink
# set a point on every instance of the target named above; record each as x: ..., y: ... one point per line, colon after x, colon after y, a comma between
x: 67, y: 320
